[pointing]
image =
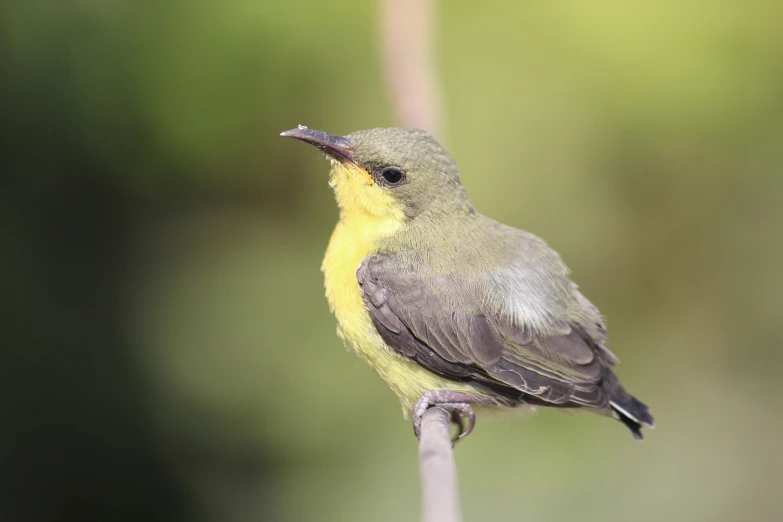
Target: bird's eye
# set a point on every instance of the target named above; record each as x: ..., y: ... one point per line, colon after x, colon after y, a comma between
x: 393, y: 176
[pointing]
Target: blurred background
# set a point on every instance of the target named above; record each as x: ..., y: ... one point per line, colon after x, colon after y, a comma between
x: 167, y: 351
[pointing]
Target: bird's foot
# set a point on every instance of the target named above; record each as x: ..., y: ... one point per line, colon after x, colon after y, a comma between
x: 459, y: 404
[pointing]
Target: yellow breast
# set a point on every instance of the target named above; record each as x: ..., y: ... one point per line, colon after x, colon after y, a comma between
x: 368, y: 214
x: 350, y: 244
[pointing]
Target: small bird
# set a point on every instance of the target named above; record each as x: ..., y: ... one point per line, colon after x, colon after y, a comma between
x: 450, y: 307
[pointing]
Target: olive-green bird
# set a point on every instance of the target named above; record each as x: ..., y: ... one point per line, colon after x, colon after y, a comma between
x: 450, y: 307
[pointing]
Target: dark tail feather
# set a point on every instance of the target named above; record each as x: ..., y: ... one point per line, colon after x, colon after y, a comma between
x: 631, y: 412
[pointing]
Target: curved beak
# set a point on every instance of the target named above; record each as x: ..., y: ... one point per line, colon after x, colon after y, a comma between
x: 337, y: 147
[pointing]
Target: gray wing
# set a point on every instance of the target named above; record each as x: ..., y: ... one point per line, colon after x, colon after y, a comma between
x: 449, y: 325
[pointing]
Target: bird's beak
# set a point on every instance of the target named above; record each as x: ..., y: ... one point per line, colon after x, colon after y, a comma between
x: 337, y: 147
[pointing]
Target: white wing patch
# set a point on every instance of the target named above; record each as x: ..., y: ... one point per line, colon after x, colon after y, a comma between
x: 527, y: 297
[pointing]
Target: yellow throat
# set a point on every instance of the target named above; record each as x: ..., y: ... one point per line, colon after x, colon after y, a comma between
x: 367, y: 214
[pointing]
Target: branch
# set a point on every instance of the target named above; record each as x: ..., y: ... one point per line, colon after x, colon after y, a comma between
x: 439, y: 490
x: 408, y: 29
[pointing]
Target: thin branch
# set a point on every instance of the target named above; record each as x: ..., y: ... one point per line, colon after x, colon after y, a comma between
x: 439, y: 488
x: 408, y: 28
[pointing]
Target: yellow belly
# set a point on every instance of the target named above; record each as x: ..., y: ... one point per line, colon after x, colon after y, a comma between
x: 352, y: 242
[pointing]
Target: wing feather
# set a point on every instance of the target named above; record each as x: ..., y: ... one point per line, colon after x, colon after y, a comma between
x: 447, y: 325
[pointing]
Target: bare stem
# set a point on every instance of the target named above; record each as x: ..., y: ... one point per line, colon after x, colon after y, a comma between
x: 439, y: 488
x: 408, y: 28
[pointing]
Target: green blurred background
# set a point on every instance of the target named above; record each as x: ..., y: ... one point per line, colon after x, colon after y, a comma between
x: 167, y: 350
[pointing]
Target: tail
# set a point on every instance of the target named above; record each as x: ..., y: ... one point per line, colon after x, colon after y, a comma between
x: 629, y: 410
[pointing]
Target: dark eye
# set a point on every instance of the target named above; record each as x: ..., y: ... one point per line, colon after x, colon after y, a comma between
x: 393, y: 176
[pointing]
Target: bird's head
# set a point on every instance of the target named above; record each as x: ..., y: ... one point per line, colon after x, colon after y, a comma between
x: 390, y: 173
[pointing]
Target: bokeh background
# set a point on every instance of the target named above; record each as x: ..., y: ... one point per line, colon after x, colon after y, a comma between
x: 167, y: 351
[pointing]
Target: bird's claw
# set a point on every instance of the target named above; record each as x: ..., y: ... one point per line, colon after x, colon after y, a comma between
x: 459, y: 410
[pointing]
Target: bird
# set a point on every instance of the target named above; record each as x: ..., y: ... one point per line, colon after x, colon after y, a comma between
x: 450, y: 307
